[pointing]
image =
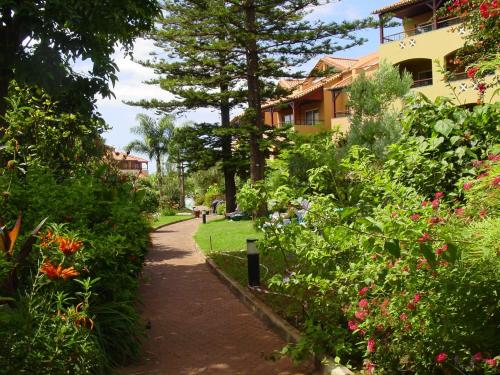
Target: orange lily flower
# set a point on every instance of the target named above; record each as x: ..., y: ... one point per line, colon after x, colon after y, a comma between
x: 54, y: 272
x: 68, y: 246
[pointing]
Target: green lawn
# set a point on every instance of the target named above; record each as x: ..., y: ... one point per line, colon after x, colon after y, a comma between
x: 170, y: 220
x: 225, y: 235
x: 228, y: 250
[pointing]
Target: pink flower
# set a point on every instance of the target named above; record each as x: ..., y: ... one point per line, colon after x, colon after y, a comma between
x: 493, y: 157
x: 403, y: 316
x: 477, y: 163
x: 496, y: 181
x: 363, y: 291
x: 394, y: 214
x: 424, y: 203
x: 434, y: 220
x: 425, y: 237
x: 441, y: 357
x: 371, y: 345
x: 439, y: 251
x: 482, y: 175
x: 477, y: 357
x: 490, y: 362
x: 362, y: 332
x: 438, y: 195
x: 468, y: 185
x: 415, y: 217
x: 483, y: 213
x: 361, y: 315
x: 363, y: 303
x: 435, y: 204
x: 459, y: 211
x: 417, y: 297
x: 369, y: 367
x: 352, y: 325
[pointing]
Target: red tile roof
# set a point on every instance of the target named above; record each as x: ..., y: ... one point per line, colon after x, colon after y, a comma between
x: 396, y: 6
x: 119, y: 155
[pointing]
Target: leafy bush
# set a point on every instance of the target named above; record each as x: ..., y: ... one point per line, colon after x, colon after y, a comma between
x: 80, y: 317
x: 221, y: 209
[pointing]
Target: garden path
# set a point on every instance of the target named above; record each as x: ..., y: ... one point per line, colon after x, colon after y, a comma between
x: 197, y: 325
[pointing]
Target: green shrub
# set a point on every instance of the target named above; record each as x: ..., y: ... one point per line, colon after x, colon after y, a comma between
x: 168, y: 211
x: 221, y: 209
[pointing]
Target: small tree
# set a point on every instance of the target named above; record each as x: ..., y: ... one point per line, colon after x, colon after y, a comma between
x: 374, y: 122
x: 156, y: 138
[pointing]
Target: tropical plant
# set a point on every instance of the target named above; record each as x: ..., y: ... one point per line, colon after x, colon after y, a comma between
x: 156, y: 138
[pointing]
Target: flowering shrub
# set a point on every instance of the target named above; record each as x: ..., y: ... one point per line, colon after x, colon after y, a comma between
x: 74, y: 306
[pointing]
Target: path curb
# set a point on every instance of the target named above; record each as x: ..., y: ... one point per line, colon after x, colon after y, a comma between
x: 168, y: 224
x: 284, y: 329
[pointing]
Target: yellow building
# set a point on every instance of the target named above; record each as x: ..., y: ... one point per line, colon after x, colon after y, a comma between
x: 426, y: 43
x: 319, y: 102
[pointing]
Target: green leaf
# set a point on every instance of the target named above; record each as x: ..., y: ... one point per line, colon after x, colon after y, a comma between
x: 428, y: 253
x: 393, y: 247
x: 444, y: 127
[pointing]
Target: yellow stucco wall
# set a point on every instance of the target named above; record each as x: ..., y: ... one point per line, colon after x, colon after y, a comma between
x: 434, y: 45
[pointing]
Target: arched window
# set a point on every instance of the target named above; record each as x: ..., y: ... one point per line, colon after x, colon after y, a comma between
x: 420, y: 70
x: 454, y: 67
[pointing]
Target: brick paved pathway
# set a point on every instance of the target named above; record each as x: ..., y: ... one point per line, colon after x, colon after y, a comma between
x: 197, y: 325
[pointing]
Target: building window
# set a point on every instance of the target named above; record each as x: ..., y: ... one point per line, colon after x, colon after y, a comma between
x: 312, y: 117
x: 287, y: 119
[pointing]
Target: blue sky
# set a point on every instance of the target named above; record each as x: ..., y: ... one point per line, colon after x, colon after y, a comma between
x: 130, y: 85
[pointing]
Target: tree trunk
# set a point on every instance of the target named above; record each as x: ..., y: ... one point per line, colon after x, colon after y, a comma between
x: 182, y: 193
x: 227, y: 166
x: 257, y: 160
x: 159, y: 177
x: 5, y: 78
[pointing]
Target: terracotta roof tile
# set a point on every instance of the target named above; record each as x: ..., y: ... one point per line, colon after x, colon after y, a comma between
x: 119, y: 155
x: 395, y: 6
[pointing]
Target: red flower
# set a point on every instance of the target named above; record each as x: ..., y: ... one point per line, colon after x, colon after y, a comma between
x: 361, y: 315
x: 415, y: 217
x: 477, y: 357
x: 471, y: 72
x: 468, y: 185
x: 483, y: 213
x: 403, y: 316
x: 481, y: 88
x: 424, y: 203
x: 496, y: 181
x: 394, y: 214
x: 55, y: 273
x: 491, y: 362
x: 493, y: 157
x: 425, y: 237
x: 441, y: 357
x: 352, y: 325
x: 369, y: 367
x: 435, y: 204
x: 484, y: 9
x: 363, y: 303
x: 459, y: 211
x: 411, y: 306
x: 435, y: 220
x: 438, y: 195
x: 477, y: 163
x: 417, y: 297
x: 371, y: 345
x: 363, y: 291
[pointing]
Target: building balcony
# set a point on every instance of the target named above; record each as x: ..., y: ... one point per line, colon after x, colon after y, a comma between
x: 421, y: 29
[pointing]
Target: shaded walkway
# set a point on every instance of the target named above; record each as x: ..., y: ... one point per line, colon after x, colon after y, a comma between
x: 197, y: 325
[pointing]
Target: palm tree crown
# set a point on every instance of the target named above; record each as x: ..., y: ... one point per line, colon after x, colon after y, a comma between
x: 155, y: 139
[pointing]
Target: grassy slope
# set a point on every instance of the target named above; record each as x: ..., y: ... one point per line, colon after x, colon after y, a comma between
x: 170, y: 220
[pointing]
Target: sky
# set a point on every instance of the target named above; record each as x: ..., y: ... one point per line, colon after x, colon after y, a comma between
x: 131, y: 77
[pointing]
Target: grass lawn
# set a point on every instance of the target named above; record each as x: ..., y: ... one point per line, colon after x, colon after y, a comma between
x: 170, y: 220
x: 228, y: 250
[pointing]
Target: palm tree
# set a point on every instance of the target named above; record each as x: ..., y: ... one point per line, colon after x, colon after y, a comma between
x: 156, y: 138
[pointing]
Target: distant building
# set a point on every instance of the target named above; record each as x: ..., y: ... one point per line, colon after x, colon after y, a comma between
x: 128, y: 163
x: 315, y: 103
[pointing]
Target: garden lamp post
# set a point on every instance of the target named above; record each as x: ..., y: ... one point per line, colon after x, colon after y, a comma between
x: 204, y: 216
x: 253, y: 263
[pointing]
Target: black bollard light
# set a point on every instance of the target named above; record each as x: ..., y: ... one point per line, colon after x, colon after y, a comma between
x: 253, y: 263
x: 204, y: 216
